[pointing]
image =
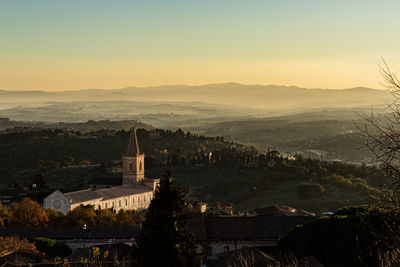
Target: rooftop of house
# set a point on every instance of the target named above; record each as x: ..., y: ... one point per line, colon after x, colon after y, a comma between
x: 281, y: 211
x: 253, y: 227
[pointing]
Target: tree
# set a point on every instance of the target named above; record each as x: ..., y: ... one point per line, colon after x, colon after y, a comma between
x: 165, y: 239
x: 382, y: 136
x: 354, y: 236
x: 306, y: 190
x: 3, y: 215
x: 55, y: 217
x: 52, y: 248
x: 12, y: 244
x: 105, y: 217
x: 127, y: 218
x: 80, y: 216
x: 28, y: 213
x: 41, y: 182
x: 68, y: 161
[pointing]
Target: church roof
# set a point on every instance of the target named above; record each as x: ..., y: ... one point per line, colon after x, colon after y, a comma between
x: 107, y: 193
x: 133, y: 146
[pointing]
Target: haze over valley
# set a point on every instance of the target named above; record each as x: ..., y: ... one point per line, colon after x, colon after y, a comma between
x: 199, y: 133
x: 290, y: 119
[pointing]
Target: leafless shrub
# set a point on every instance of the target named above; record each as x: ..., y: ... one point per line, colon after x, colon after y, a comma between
x: 382, y: 137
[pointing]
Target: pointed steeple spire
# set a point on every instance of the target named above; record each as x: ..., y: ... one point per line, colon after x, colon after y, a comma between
x: 133, y: 146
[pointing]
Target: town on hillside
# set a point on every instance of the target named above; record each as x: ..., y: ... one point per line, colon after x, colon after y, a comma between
x: 107, y: 217
x: 199, y: 133
x: 105, y: 220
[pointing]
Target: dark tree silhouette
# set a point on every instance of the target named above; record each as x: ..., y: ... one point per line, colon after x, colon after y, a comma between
x: 382, y: 137
x: 165, y: 239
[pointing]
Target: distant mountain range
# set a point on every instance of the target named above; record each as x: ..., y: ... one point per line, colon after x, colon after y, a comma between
x: 287, y: 118
x: 262, y: 97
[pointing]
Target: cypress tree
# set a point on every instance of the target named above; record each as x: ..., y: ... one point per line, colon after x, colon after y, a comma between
x: 165, y: 239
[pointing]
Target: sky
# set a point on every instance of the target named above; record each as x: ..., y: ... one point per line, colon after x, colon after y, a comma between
x: 81, y: 44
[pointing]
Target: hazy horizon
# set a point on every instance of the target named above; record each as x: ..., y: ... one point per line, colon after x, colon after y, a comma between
x: 77, y: 45
x: 194, y: 85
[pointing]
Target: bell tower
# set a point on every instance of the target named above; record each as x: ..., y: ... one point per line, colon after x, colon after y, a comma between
x: 132, y: 162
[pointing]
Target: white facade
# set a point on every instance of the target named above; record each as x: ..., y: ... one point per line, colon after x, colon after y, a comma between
x: 132, y: 202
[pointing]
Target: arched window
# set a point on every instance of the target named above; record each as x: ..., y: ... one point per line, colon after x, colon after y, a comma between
x: 140, y: 165
x: 130, y: 166
x: 119, y: 203
x: 126, y: 202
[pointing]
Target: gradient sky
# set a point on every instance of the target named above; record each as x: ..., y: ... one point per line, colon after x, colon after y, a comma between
x: 63, y: 45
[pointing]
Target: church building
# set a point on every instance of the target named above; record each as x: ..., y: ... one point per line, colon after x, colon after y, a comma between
x: 135, y: 193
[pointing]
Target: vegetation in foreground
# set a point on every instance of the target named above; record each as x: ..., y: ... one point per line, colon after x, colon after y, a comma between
x: 354, y: 236
x: 165, y: 239
x: 29, y: 213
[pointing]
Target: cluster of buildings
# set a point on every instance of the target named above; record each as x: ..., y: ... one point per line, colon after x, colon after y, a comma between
x: 214, y: 235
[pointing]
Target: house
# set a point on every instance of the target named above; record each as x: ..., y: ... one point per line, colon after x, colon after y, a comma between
x: 219, y: 234
x: 226, y: 209
x: 136, y: 191
x: 213, y: 234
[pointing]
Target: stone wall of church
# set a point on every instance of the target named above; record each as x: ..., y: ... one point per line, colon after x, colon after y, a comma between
x: 133, y: 169
x: 132, y: 202
x: 57, y: 201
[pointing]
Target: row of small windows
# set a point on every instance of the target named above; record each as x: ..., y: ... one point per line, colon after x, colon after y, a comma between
x: 141, y: 198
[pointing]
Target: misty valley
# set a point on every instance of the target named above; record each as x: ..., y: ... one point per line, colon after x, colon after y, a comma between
x: 255, y: 157
x: 246, y: 165
x: 199, y: 133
